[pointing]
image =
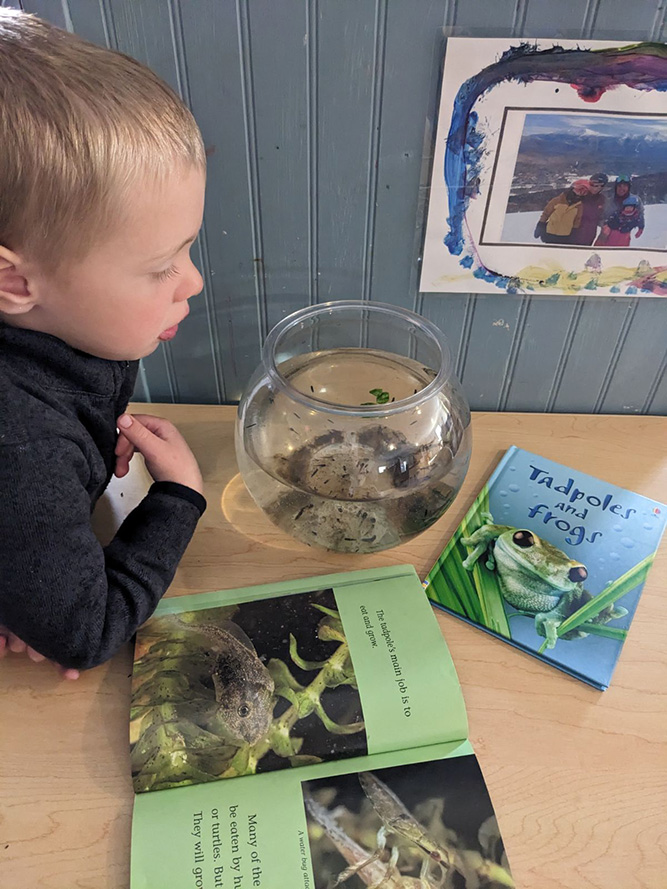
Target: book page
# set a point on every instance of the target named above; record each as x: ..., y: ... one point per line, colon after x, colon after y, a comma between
x: 292, y: 674
x: 402, y: 819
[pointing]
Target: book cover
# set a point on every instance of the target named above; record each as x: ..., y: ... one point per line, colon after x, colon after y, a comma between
x: 553, y: 561
x: 334, y: 705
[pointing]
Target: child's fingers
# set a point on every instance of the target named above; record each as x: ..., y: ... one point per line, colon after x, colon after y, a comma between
x: 148, y: 434
x: 124, y: 453
x: 11, y: 642
x: 160, y: 427
x: 167, y: 454
x: 68, y: 672
x: 34, y: 655
x: 121, y: 468
x: 137, y: 434
x: 16, y: 645
x: 123, y: 446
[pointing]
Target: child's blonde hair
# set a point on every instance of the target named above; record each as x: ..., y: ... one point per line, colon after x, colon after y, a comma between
x: 79, y: 126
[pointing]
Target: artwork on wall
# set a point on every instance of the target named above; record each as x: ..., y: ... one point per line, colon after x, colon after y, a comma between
x: 550, y: 169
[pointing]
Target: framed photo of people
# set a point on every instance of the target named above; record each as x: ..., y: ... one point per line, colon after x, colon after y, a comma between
x: 550, y: 169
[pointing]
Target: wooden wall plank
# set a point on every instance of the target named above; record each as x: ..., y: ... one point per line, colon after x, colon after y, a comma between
x: 616, y: 19
x: 89, y: 21
x: 212, y: 38
x: 450, y: 315
x: 279, y: 40
x: 657, y: 402
x: 409, y: 98
x: 346, y: 42
x: 479, y: 19
x: 564, y: 19
x: 549, y: 324
x: 638, y: 362
x: 492, y: 330
x: 591, y: 352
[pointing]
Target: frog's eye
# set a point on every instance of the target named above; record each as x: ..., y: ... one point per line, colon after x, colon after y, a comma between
x: 578, y: 574
x: 524, y: 539
x: 244, y: 710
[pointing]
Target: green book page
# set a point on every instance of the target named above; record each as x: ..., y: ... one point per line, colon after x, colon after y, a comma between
x: 242, y: 682
x: 394, y: 817
x: 408, y: 685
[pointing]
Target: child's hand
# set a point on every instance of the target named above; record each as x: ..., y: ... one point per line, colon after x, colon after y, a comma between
x: 639, y: 233
x: 166, y: 453
x: 10, y: 642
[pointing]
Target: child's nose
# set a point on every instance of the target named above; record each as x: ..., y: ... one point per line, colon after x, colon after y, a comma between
x: 195, y: 284
x: 197, y: 281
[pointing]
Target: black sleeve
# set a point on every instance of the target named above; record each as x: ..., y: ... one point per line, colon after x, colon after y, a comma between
x: 61, y: 592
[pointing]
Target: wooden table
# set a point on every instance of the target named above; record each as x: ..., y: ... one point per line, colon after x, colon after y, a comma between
x: 578, y: 777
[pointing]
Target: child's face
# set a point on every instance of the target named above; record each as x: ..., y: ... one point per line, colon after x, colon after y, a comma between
x: 131, y: 291
x: 628, y: 211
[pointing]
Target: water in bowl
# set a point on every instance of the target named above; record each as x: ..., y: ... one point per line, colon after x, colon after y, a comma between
x: 357, y: 482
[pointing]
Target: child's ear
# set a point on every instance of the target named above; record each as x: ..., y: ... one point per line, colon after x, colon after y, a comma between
x: 16, y: 296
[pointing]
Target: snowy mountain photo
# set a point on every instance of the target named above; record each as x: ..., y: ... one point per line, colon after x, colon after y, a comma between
x: 560, y: 150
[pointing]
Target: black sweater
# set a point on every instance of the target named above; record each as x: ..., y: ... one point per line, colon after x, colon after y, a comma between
x: 60, y: 590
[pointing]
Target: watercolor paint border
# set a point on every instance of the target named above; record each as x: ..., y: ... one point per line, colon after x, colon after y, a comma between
x: 591, y: 72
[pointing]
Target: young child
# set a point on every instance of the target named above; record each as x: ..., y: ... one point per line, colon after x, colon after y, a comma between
x: 102, y: 173
x: 616, y: 230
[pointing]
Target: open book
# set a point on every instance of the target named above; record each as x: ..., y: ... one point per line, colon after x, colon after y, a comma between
x: 334, y: 704
x: 552, y: 561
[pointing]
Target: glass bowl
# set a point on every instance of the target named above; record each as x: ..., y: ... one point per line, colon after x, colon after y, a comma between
x: 353, y: 433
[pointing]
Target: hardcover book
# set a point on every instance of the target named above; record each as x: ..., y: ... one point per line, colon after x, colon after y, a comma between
x: 334, y: 706
x: 552, y: 561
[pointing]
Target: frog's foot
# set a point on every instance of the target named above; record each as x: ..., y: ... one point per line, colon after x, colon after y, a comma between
x: 613, y: 612
x: 469, y: 562
x: 477, y: 554
x: 578, y: 633
x: 482, y: 541
x: 547, y: 625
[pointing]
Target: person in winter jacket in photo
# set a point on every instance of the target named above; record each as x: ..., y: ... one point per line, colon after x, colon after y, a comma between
x: 563, y: 214
x: 623, y: 188
x: 617, y: 228
x: 593, y: 211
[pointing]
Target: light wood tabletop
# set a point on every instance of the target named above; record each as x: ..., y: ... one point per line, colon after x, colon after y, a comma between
x: 578, y: 777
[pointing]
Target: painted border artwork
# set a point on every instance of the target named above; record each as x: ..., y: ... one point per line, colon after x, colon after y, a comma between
x: 550, y: 169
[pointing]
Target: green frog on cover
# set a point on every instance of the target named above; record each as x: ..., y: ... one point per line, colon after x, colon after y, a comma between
x: 535, y: 577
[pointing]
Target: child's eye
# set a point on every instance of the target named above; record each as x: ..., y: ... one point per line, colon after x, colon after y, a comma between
x: 171, y: 272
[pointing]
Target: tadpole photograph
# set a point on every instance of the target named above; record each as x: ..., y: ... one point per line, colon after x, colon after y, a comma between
x: 240, y: 689
x: 427, y: 824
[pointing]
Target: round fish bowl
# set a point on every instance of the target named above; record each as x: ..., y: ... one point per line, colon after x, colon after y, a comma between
x: 353, y: 433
